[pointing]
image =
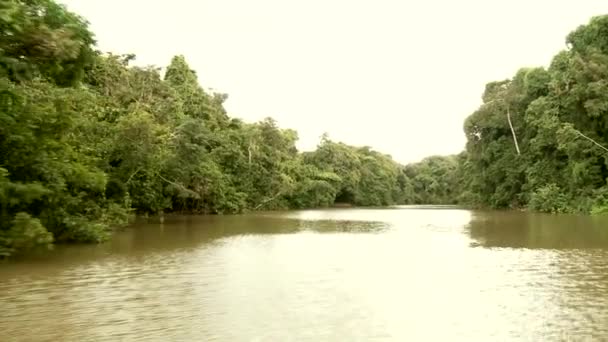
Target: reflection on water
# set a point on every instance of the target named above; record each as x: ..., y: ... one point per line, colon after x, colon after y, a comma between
x: 401, y: 274
x: 531, y: 230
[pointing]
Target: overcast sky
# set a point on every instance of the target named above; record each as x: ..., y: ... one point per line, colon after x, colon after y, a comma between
x: 399, y: 76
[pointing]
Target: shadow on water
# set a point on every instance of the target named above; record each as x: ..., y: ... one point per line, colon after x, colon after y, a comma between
x: 184, y: 232
x: 426, y: 206
x: 320, y: 275
x: 512, y: 229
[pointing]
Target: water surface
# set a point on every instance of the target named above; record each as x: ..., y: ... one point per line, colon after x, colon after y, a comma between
x: 401, y: 274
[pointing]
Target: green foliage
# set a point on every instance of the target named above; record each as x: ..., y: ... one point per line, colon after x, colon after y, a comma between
x: 86, y: 140
x: 50, y: 185
x: 600, y: 210
x: 25, y: 233
x: 600, y: 202
x: 39, y: 38
x: 550, y: 199
x: 358, y: 176
x: 560, y: 117
x: 434, y: 180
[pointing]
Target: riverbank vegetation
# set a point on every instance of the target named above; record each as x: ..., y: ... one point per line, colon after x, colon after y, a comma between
x: 87, y: 140
x: 540, y: 139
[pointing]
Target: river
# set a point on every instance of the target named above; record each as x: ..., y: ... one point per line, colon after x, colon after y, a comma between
x: 398, y: 274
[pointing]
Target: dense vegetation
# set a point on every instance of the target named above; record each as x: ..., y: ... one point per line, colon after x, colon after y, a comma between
x: 86, y: 141
x: 554, y: 157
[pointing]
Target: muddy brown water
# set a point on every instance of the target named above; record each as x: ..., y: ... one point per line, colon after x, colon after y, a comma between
x: 345, y: 274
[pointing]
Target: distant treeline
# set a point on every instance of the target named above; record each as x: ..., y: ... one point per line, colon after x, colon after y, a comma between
x: 86, y: 141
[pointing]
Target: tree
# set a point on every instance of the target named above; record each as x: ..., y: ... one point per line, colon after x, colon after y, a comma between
x: 561, y: 123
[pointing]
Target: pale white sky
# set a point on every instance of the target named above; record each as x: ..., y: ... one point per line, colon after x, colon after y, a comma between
x: 399, y: 76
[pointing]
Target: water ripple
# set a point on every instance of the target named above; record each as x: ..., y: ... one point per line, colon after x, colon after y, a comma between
x: 369, y: 275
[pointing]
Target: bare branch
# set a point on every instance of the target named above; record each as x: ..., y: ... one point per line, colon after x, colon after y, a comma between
x: 268, y: 200
x: 183, y: 188
x: 513, y: 131
x: 133, y: 174
x: 593, y: 141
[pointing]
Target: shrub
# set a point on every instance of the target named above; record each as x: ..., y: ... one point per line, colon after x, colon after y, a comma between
x: 549, y: 199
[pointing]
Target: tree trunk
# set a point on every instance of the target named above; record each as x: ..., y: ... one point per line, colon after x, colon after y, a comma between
x: 513, y: 131
x: 249, y: 150
x: 593, y: 141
